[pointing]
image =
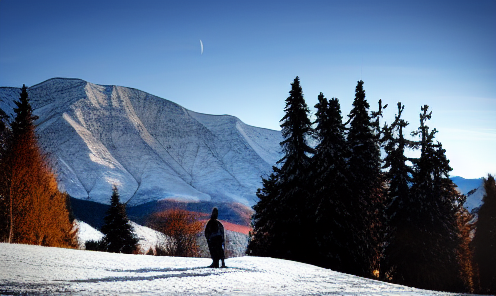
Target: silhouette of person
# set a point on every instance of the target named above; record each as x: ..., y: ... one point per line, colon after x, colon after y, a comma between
x: 214, y: 233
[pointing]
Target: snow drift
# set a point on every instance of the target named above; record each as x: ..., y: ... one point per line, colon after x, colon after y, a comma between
x: 28, y: 269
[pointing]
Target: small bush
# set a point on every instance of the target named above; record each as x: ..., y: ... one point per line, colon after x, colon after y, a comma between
x: 180, y: 225
x: 93, y: 245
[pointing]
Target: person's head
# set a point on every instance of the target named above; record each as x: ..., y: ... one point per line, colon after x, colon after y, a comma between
x: 215, y: 213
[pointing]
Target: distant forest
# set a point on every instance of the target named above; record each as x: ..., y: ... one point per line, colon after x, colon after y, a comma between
x: 343, y: 205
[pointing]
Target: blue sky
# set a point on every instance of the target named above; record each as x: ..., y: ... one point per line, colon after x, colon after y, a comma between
x: 439, y: 53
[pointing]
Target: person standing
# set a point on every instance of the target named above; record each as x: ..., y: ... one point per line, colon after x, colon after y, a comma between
x: 214, y: 233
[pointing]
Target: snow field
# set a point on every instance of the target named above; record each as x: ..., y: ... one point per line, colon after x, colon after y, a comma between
x: 55, y: 271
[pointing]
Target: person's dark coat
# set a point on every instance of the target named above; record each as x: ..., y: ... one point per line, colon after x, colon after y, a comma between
x: 214, y: 233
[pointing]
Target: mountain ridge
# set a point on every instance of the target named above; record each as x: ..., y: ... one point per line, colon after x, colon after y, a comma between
x: 91, y: 131
x: 150, y: 147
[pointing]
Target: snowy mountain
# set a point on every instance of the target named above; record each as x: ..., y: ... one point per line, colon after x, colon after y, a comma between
x: 473, y: 189
x: 151, y: 148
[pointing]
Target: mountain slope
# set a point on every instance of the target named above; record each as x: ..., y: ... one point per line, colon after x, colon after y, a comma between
x: 472, y: 188
x: 151, y: 148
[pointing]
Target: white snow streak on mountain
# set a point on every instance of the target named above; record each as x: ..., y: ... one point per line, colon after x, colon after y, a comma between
x: 54, y: 271
x: 151, y: 148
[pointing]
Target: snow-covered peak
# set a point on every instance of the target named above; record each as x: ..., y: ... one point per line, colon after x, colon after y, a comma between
x: 151, y: 148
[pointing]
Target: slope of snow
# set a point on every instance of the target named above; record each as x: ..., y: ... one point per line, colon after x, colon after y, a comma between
x: 28, y: 269
x: 151, y: 148
x: 148, y: 238
x: 87, y: 233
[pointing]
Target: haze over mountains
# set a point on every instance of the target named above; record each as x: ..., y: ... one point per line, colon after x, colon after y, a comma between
x: 151, y: 148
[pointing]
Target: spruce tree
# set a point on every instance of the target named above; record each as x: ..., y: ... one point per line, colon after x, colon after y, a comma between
x: 118, y: 234
x: 282, y: 222
x: 398, y: 177
x: 5, y: 137
x: 366, y: 184
x: 37, y: 210
x: 293, y: 227
x: 484, y: 243
x: 332, y: 205
x: 262, y: 242
x: 432, y: 234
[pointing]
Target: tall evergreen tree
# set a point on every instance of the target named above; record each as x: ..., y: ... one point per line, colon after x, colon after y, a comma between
x: 262, y: 242
x: 433, y: 230
x: 37, y: 210
x: 366, y: 184
x: 332, y: 205
x: 484, y: 242
x: 5, y: 139
x: 118, y: 234
x: 294, y: 231
x: 282, y: 214
x: 398, y: 197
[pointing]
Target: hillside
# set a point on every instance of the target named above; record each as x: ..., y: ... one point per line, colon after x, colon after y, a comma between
x: 28, y: 269
x: 151, y: 148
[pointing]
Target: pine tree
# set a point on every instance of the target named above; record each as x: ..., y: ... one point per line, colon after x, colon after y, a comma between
x: 366, y: 184
x: 282, y: 217
x: 37, y: 211
x: 484, y: 242
x: 261, y: 241
x: 332, y: 206
x: 5, y: 138
x: 398, y: 197
x: 118, y: 234
x: 293, y: 227
x: 433, y: 230
x: 465, y: 229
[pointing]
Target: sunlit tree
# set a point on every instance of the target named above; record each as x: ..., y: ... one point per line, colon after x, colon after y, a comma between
x: 37, y: 211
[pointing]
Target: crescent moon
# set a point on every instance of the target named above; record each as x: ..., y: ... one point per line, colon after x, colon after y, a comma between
x: 201, y: 44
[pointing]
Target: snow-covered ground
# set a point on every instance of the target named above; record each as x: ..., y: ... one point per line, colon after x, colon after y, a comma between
x: 28, y: 269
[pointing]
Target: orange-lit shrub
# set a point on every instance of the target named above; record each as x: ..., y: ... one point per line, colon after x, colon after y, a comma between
x: 182, y: 226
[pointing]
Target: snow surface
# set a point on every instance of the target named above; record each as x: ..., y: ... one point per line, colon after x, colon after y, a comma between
x: 148, y: 238
x: 55, y: 271
x: 151, y: 148
x: 87, y: 233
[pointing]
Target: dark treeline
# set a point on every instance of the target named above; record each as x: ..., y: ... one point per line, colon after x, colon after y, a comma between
x: 342, y: 206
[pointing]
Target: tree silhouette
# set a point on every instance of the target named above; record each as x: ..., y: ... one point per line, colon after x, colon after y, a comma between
x: 262, y: 242
x: 331, y: 195
x: 433, y: 233
x: 118, y: 234
x: 5, y: 142
x: 366, y: 184
x: 399, y: 198
x: 289, y: 222
x: 484, y: 242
